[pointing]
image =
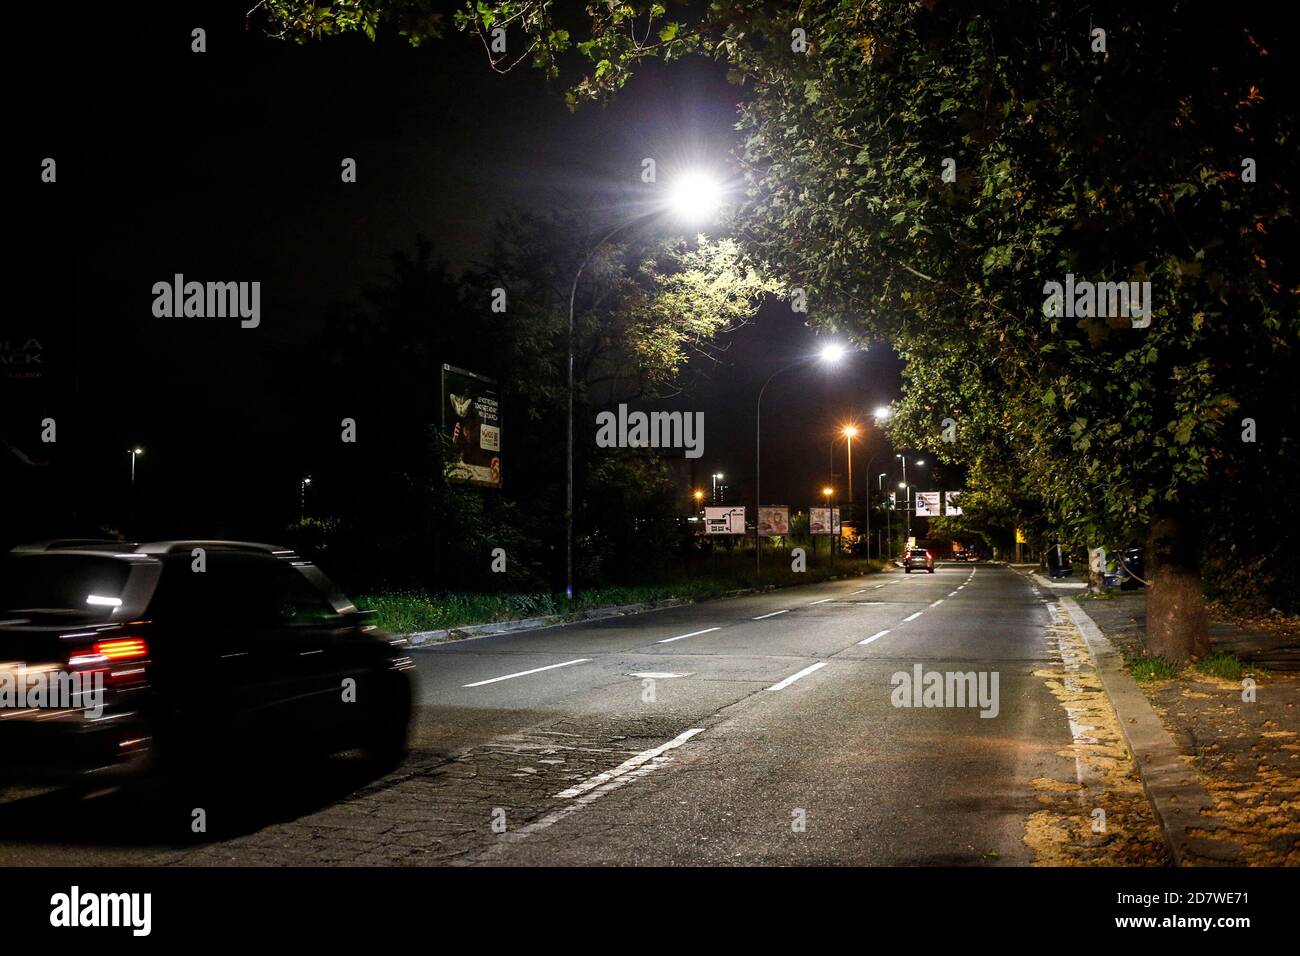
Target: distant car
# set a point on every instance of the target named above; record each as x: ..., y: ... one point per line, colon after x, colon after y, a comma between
x: 256, y: 655
x: 1129, y: 569
x: 919, y: 559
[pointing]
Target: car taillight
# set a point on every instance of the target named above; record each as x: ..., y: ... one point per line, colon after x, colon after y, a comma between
x: 121, y: 659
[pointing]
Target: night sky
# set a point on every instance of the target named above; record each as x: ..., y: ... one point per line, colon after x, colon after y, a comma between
x: 225, y: 166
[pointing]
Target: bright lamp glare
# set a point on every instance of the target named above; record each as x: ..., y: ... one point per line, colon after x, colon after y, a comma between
x: 695, y: 197
x: 832, y: 353
x: 884, y: 411
x: 850, y: 431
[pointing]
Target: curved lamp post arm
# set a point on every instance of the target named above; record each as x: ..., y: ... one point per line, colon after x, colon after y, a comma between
x: 758, y: 459
x: 568, y: 477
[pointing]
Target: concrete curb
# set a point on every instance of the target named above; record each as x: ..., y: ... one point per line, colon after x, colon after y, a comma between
x: 1172, y: 787
x: 1049, y: 583
x: 418, y: 638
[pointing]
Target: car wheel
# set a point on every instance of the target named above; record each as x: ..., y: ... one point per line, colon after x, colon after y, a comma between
x: 387, y: 725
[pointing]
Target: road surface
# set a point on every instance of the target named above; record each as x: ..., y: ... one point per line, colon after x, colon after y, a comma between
x: 764, y: 729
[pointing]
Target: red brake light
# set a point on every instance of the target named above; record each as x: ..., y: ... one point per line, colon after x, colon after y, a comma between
x: 106, y: 655
x: 122, y: 648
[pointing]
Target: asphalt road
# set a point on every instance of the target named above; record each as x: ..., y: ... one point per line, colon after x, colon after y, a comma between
x: 753, y: 730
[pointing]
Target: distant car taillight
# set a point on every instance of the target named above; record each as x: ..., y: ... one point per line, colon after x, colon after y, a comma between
x: 121, y: 659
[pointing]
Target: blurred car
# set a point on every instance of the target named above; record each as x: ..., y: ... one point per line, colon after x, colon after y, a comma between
x: 918, y: 559
x: 253, y: 654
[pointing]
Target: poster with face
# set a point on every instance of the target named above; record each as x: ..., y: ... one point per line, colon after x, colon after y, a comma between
x: 471, y: 416
x: 773, y: 521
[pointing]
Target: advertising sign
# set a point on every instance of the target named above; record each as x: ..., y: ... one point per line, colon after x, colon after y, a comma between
x: 952, y: 502
x: 773, y: 521
x: 471, y: 416
x: 823, y: 520
x: 927, y: 504
x: 724, y: 520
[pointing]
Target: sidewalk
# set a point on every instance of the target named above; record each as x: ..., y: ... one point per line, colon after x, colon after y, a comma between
x: 1245, y: 752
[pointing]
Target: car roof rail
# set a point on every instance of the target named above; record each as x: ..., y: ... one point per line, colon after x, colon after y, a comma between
x: 171, y: 547
x: 72, y: 544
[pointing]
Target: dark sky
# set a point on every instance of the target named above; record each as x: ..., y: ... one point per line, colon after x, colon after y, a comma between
x: 225, y: 165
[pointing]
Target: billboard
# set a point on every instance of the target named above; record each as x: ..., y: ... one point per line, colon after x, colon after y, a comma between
x: 774, y: 520
x: 724, y: 520
x: 927, y: 504
x: 952, y: 502
x: 471, y: 417
x: 823, y: 520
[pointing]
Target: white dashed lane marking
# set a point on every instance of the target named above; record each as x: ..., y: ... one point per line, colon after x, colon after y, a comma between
x: 782, y: 685
x: 669, y: 640
x: 535, y: 670
x: 874, y: 637
x: 773, y: 614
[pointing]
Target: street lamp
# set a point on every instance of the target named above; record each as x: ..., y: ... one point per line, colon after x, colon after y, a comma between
x: 692, y: 197
x: 302, y: 497
x: 134, y: 453
x: 906, y: 491
x: 889, y: 529
x: 717, y: 477
x: 830, y: 354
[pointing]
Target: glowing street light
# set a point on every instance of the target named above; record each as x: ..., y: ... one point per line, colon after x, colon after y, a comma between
x: 695, y: 196
x: 883, y: 413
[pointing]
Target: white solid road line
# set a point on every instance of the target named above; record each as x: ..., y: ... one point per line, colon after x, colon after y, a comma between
x: 773, y: 614
x: 911, y: 617
x: 631, y: 763
x: 873, y: 637
x: 936, y: 603
x: 535, y: 670
x: 782, y: 685
x: 669, y: 640
x: 824, y: 600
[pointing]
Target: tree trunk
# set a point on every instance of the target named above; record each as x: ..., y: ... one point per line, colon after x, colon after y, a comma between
x: 1177, y: 623
x: 1096, y: 571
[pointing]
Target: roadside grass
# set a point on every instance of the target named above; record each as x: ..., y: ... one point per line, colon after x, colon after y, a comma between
x: 1222, y: 665
x: 1146, y: 670
x: 404, y: 612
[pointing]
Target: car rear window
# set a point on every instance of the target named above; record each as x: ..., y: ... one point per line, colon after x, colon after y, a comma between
x: 61, y: 586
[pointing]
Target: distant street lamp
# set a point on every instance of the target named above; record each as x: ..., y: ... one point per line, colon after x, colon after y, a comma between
x: 830, y: 354
x: 302, y: 497
x: 717, y: 476
x: 693, y: 197
x: 908, y: 497
x: 134, y: 453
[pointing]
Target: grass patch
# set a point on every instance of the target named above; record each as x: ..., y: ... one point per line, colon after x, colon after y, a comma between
x: 1222, y: 665
x: 403, y: 612
x: 1146, y: 670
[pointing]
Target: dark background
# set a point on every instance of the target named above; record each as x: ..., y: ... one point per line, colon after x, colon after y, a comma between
x: 225, y: 166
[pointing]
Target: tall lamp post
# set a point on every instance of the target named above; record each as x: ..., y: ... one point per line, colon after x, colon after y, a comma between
x: 717, y: 476
x: 135, y: 453
x: 830, y: 354
x: 889, y: 531
x: 302, y: 497
x: 907, y: 492
x: 881, y: 414
x: 827, y: 492
x: 694, y: 197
